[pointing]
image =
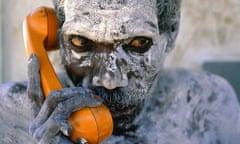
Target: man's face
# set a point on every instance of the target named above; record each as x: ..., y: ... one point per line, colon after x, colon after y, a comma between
x: 114, y: 48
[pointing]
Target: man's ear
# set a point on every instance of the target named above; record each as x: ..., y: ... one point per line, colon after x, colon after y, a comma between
x: 59, y: 8
x: 168, y: 12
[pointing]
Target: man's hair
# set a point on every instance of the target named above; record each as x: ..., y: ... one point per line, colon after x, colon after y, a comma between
x: 168, y: 12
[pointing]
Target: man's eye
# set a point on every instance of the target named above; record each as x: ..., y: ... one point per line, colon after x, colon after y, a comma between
x: 139, y: 45
x: 81, y: 44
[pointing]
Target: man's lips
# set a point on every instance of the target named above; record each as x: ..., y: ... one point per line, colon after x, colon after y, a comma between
x: 118, y: 112
x: 118, y: 102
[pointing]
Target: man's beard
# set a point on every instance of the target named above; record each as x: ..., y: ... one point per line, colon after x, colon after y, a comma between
x: 124, y: 103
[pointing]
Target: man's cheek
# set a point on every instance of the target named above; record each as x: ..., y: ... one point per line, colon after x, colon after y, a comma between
x: 78, y: 71
x: 141, y: 75
x: 145, y: 67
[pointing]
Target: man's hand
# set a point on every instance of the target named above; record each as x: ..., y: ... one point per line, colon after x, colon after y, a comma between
x: 49, y: 123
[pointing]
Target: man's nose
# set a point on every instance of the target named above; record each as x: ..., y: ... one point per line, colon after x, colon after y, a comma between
x: 110, y: 80
x: 111, y: 72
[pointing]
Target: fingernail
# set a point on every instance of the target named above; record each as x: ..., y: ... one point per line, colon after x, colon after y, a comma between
x: 29, y: 60
x: 82, y: 141
x: 66, y: 132
x: 32, y: 128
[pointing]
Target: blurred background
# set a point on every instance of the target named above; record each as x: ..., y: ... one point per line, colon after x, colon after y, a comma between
x: 209, y: 32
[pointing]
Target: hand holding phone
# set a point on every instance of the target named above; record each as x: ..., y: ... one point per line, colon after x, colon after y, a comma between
x: 40, y: 34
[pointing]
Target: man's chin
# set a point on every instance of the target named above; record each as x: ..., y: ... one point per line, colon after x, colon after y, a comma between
x: 124, y: 106
x: 123, y: 118
x: 121, y: 97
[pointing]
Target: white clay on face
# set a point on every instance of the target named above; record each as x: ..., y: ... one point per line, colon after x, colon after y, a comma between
x: 117, y: 21
x: 108, y: 21
x: 108, y: 82
x: 78, y: 55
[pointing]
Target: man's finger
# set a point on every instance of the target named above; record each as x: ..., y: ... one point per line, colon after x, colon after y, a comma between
x: 64, y: 102
x: 34, y: 84
x: 49, y: 132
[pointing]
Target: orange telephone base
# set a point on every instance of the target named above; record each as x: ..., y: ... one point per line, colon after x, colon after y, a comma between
x: 40, y: 34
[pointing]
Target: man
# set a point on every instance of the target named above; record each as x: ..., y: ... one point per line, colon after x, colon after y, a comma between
x: 115, y: 49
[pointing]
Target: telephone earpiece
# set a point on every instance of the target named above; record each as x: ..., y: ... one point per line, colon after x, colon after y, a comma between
x: 40, y: 35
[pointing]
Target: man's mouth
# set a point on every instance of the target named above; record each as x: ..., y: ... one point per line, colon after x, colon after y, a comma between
x: 119, y: 99
x: 118, y: 112
x: 124, y: 108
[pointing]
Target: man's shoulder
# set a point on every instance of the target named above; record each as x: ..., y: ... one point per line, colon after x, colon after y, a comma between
x: 180, y: 79
x: 13, y: 88
x: 194, y: 88
x: 13, y: 94
x: 14, y: 113
x: 13, y: 97
x: 192, y: 105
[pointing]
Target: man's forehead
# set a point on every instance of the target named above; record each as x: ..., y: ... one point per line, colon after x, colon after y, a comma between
x: 102, y: 19
x: 108, y: 4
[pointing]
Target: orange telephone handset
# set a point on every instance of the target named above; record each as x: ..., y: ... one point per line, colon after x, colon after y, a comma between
x: 40, y: 34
